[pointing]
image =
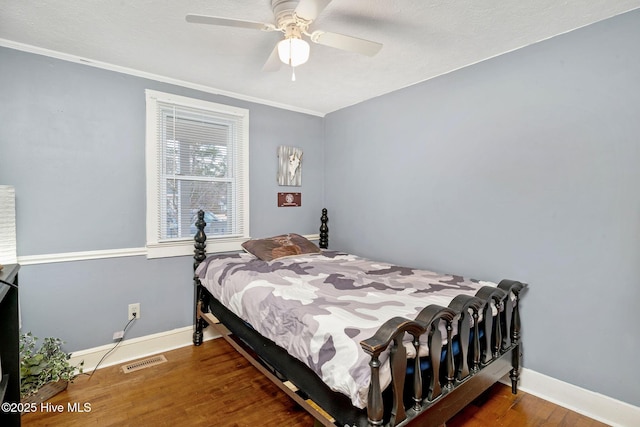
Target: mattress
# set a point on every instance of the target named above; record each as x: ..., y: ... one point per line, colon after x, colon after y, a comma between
x: 318, y: 307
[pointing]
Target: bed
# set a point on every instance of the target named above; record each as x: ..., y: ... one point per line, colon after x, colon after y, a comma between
x: 357, y: 342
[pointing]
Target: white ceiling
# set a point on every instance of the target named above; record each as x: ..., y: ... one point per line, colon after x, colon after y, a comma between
x: 422, y: 39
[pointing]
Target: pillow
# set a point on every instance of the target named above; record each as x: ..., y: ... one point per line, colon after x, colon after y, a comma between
x: 276, y: 247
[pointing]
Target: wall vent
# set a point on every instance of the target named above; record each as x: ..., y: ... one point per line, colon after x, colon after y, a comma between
x: 144, y: 363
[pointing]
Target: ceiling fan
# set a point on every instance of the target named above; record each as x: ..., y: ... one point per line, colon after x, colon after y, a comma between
x: 293, y: 18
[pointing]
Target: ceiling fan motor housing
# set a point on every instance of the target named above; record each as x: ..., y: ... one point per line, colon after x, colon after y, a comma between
x: 283, y: 12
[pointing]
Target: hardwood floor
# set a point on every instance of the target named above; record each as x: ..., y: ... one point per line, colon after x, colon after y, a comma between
x: 230, y: 392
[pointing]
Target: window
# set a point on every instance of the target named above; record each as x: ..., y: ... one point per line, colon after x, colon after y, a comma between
x: 197, y: 156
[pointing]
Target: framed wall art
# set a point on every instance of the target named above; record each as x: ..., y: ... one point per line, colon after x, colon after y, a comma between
x: 289, y: 166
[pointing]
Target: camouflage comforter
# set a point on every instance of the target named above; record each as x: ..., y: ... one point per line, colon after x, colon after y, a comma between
x: 319, y: 307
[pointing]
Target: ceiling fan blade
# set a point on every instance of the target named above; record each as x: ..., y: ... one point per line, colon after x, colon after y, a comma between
x: 352, y: 44
x: 310, y: 9
x: 273, y: 63
x: 228, y: 22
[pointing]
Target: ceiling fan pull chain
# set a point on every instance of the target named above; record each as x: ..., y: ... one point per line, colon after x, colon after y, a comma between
x: 293, y: 69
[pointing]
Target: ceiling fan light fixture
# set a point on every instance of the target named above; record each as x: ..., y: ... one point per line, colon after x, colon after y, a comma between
x: 293, y: 51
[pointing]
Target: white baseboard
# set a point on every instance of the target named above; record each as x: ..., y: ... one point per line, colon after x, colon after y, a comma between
x: 588, y: 403
x: 593, y: 405
x: 136, y: 348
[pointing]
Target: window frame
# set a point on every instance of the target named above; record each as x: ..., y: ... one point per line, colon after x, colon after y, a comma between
x: 157, y: 247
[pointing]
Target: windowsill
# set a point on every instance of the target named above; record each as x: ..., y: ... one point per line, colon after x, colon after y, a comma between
x: 186, y: 247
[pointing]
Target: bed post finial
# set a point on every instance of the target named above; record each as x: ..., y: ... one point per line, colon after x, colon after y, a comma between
x: 200, y: 254
x: 200, y: 240
x: 324, y: 230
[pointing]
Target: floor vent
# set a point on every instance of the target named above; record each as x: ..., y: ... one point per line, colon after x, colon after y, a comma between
x: 144, y: 363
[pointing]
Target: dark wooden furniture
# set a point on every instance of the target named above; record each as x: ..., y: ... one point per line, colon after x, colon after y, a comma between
x: 9, y: 345
x: 448, y: 380
x: 324, y: 230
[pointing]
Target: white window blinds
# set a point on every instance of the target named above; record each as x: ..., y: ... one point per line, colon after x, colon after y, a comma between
x: 199, y: 154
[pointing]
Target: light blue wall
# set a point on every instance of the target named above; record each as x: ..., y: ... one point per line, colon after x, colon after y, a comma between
x: 525, y: 166
x: 72, y: 143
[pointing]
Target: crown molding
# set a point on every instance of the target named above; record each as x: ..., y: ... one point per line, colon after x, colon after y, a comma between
x: 146, y: 75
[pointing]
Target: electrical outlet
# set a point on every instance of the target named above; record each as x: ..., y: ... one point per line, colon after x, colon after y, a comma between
x: 134, y: 308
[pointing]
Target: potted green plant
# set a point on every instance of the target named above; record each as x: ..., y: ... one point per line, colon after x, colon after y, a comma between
x: 44, y: 371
